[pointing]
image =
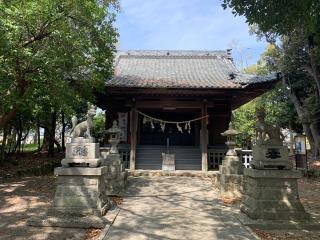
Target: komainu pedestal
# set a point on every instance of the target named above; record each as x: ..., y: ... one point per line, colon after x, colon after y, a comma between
x: 268, y: 155
x: 80, y: 192
x: 82, y: 152
x: 79, y: 201
x: 272, y: 195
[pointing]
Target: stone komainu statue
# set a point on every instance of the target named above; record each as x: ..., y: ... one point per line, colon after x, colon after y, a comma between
x: 266, y: 133
x: 84, y: 128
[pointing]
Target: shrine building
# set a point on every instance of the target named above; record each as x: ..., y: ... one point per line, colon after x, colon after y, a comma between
x: 178, y: 102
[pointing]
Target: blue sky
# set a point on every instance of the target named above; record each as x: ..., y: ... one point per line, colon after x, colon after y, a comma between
x: 185, y: 25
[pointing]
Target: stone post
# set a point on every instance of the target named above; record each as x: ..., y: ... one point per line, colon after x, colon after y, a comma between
x: 231, y: 169
x: 116, y: 177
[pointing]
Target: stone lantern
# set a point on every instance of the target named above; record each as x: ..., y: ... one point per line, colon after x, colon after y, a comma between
x: 231, y: 169
x: 116, y: 177
x: 114, y: 140
x: 231, y: 134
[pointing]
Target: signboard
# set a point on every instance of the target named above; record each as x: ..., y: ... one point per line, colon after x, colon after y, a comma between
x: 300, y: 144
x: 123, y: 125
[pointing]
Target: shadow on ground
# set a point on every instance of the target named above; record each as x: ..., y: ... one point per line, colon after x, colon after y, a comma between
x: 175, y: 208
x: 22, y: 198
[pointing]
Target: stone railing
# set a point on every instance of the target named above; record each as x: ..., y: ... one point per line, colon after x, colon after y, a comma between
x: 216, y: 155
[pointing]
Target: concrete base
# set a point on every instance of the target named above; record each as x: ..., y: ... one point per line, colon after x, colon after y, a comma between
x: 116, y: 177
x: 231, y: 178
x: 68, y: 222
x: 272, y: 195
x: 305, y: 224
x: 75, y: 221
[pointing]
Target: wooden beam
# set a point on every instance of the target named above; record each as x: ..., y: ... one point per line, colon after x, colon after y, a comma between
x: 133, y: 136
x: 204, y: 137
x: 171, y: 104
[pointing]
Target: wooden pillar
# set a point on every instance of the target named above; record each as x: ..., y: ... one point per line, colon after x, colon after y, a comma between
x: 204, y: 137
x: 133, y: 136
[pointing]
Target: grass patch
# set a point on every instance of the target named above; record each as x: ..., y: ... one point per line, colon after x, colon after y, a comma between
x: 30, y: 147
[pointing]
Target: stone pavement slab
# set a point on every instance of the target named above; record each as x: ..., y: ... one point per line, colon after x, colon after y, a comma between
x: 175, y: 208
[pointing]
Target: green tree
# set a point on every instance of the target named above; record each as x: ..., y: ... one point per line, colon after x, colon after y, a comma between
x: 293, y: 27
x: 53, y: 51
x: 99, y: 128
x: 280, y: 110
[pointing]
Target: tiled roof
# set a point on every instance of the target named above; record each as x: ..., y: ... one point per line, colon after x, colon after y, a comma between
x: 179, y: 69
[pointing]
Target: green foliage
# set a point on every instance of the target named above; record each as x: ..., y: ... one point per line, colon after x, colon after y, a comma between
x: 278, y: 17
x: 245, y: 121
x: 54, y: 53
x: 293, y: 27
x: 30, y: 147
x: 279, y: 109
x: 99, y: 131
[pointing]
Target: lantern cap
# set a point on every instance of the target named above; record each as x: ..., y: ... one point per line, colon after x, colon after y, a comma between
x: 114, y: 128
x: 230, y: 131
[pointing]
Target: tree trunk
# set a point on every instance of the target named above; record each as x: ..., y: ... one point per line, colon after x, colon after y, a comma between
x: 63, y: 132
x: 19, y: 130
x: 38, y: 134
x: 3, y: 145
x: 316, y: 139
x: 307, y: 130
x: 46, y: 140
x: 305, y: 119
x: 52, y: 133
x: 7, y: 117
x: 291, y: 140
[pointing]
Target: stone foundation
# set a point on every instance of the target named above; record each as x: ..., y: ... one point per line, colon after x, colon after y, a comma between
x: 80, y: 191
x: 79, y: 197
x: 231, y: 177
x: 116, y: 177
x: 272, y: 195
